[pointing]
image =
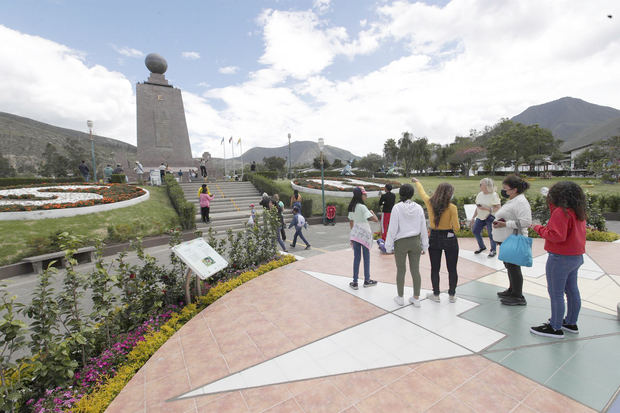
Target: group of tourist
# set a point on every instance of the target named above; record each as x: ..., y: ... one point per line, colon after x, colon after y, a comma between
x: 405, y: 233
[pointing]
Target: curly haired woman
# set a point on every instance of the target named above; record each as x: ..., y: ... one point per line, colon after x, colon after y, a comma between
x: 444, y: 222
x: 565, y: 241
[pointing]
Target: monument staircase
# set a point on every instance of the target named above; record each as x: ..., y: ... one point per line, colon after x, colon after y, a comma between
x: 230, y: 209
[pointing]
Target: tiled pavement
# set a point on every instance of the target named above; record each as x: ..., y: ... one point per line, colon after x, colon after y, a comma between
x: 298, y: 340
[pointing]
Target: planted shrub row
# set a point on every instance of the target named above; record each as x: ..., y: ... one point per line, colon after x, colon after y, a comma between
x: 186, y: 210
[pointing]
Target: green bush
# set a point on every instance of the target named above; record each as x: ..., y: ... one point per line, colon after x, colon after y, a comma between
x: 603, y: 236
x: 27, y: 181
x: 269, y: 174
x: 117, y: 179
x: 186, y: 210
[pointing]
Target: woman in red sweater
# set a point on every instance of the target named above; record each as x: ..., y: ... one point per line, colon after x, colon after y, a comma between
x: 565, y: 241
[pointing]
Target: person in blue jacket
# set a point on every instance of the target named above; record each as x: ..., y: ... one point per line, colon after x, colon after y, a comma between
x: 298, y: 222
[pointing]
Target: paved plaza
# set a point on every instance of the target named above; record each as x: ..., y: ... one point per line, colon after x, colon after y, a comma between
x: 298, y: 339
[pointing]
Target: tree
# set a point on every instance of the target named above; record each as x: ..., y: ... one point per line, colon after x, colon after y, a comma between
x: 421, y: 154
x: 602, y: 159
x: 520, y: 143
x: 274, y: 163
x: 337, y: 163
x: 316, y: 163
x: 390, y: 151
x: 6, y: 169
x: 54, y: 164
x: 404, y: 152
x: 371, y: 162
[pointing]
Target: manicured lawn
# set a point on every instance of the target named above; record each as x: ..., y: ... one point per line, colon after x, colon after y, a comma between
x: 466, y: 187
x: 151, y: 217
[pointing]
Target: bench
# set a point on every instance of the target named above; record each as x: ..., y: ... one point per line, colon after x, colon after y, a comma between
x: 85, y: 254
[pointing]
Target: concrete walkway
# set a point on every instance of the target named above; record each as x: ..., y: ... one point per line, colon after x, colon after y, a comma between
x: 298, y: 339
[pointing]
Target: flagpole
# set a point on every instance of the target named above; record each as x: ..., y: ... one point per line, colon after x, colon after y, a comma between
x: 224, y: 145
x: 241, y: 150
x: 232, y: 160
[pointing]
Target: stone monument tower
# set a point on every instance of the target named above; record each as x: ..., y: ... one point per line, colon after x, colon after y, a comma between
x: 162, y: 129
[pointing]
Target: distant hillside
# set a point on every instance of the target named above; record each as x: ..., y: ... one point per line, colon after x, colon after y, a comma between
x: 596, y: 133
x: 23, y: 141
x: 570, y: 120
x: 302, y: 152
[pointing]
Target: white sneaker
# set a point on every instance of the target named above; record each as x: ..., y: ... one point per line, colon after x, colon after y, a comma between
x: 433, y: 297
x: 453, y: 298
x: 399, y: 300
x: 414, y: 301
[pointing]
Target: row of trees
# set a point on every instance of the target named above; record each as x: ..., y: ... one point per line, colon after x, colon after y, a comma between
x: 602, y: 159
x: 506, y: 144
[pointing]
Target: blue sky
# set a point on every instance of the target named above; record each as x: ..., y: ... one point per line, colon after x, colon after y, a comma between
x: 354, y: 72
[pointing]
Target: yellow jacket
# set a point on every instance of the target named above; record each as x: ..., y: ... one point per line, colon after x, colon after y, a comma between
x: 449, y: 219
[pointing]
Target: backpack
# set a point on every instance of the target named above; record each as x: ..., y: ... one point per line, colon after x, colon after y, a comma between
x: 301, y: 221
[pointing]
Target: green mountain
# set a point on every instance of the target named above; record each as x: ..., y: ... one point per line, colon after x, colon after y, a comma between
x: 572, y: 120
x: 23, y: 142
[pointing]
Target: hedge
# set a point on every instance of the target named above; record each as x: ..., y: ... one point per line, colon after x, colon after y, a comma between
x: 27, y: 181
x: 186, y: 210
x: 118, y: 179
x: 102, y: 396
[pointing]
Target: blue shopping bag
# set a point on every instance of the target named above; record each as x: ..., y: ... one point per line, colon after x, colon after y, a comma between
x: 516, y: 249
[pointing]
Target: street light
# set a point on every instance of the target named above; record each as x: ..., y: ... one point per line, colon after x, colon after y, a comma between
x: 321, y: 146
x: 89, y: 123
x: 289, y: 156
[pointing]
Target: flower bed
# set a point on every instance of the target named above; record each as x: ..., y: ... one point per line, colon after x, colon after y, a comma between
x: 345, y: 184
x: 52, y: 197
x: 103, y: 377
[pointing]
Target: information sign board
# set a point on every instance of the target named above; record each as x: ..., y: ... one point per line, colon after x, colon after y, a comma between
x: 200, y: 257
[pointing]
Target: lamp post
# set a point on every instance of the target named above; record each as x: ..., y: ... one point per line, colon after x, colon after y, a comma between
x: 321, y: 146
x: 89, y: 123
x: 289, y: 156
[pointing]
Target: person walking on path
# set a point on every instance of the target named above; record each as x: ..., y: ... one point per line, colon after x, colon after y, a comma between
x: 253, y: 166
x: 298, y: 222
x: 361, y: 236
x: 205, y: 201
x: 203, y: 168
x: 264, y: 202
x: 84, y: 171
x: 162, y: 172
x: 386, y: 202
x: 139, y: 169
x: 565, y: 241
x: 444, y: 223
x: 280, y: 234
x: 407, y: 236
x: 514, y: 215
x: 107, y: 173
x: 487, y: 203
x: 296, y: 199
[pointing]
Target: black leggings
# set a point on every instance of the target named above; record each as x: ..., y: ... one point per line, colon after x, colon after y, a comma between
x: 441, y: 241
x: 515, y: 278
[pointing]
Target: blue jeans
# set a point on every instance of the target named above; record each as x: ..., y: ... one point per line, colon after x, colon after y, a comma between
x: 279, y: 238
x: 358, y: 251
x: 562, y: 279
x: 300, y: 235
x: 477, y: 230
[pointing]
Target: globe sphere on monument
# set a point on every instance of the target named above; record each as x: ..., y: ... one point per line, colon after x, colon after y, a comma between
x: 156, y: 63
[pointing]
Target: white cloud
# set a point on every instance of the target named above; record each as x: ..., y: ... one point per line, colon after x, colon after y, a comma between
x: 50, y: 82
x: 190, y: 55
x: 228, y: 70
x: 321, y: 5
x: 128, y: 51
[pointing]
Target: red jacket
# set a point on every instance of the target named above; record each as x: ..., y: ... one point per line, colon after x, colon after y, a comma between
x: 564, y: 234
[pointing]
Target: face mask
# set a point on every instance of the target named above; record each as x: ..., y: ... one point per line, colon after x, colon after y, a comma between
x: 504, y: 193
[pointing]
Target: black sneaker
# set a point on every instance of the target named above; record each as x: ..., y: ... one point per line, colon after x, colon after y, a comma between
x: 307, y: 247
x: 505, y: 293
x: 546, y: 330
x: 570, y: 328
x: 480, y: 250
x: 514, y: 301
x: 353, y: 285
x: 492, y: 254
x: 370, y: 283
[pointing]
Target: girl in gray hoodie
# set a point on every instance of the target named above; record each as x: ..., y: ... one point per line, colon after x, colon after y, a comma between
x: 407, y: 236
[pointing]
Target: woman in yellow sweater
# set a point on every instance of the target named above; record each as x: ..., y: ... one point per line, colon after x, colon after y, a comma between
x: 444, y: 222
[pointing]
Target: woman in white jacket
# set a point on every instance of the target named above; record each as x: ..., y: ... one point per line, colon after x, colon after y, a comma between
x: 407, y: 236
x: 515, y: 214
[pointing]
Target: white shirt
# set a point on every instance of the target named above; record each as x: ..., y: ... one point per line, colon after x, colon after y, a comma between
x: 515, y: 209
x: 407, y: 220
x: 486, y: 200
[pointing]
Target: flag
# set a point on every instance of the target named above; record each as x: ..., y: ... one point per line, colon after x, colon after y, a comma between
x: 239, y: 141
x: 230, y: 140
x: 222, y: 141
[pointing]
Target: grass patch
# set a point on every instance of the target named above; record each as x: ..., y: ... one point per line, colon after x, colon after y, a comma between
x: 464, y: 187
x: 152, y: 217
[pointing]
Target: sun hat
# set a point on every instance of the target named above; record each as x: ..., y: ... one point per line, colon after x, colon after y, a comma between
x: 251, y: 205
